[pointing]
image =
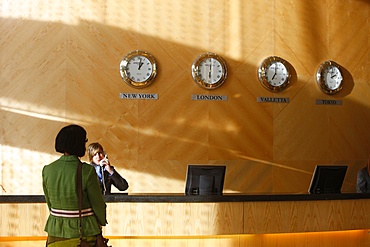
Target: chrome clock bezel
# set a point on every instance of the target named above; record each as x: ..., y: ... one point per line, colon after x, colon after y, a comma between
x: 321, y: 77
x: 272, y: 84
x: 142, y: 79
x: 215, y: 77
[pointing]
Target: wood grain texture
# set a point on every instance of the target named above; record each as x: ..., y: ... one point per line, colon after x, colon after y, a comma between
x: 202, y: 219
x: 304, y: 216
x: 175, y: 219
x: 59, y: 64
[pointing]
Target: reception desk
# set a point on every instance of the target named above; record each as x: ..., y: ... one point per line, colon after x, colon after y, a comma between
x: 199, y: 217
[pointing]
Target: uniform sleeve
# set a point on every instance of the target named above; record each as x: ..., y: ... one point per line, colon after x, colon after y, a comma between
x: 44, y: 187
x: 118, y: 181
x: 95, y: 197
x: 361, y: 182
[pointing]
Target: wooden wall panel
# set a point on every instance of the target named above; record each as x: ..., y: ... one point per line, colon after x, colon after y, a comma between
x: 208, y: 224
x: 59, y: 65
x: 304, y: 216
x: 202, y: 219
x: 136, y: 219
x: 175, y: 219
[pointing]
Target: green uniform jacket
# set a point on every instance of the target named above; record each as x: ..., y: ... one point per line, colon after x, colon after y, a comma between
x: 59, y: 181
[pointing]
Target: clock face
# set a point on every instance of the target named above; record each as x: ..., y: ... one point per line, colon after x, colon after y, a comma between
x: 138, y: 69
x: 209, y: 70
x: 332, y: 77
x: 276, y: 74
x: 329, y: 77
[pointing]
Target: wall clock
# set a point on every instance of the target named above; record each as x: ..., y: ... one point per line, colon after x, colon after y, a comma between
x: 209, y: 70
x: 138, y: 69
x: 274, y: 73
x: 329, y: 77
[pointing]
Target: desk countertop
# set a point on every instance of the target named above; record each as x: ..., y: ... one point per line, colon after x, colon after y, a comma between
x: 182, y: 198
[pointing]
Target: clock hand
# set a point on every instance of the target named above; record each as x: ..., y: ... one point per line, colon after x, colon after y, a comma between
x: 140, y: 64
x: 210, y: 71
x: 331, y: 73
x: 274, y: 74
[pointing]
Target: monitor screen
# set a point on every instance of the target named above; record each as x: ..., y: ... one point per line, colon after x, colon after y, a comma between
x: 205, y: 180
x: 327, y: 179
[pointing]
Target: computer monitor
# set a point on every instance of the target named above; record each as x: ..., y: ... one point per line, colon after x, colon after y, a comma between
x: 205, y: 180
x: 327, y: 179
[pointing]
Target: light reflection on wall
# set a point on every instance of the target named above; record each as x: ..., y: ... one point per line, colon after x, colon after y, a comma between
x: 36, y: 112
x: 22, y: 167
x: 158, y: 23
x: 22, y: 170
x: 32, y: 10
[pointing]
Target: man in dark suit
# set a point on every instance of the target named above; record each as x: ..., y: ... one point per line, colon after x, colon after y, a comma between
x: 107, y: 175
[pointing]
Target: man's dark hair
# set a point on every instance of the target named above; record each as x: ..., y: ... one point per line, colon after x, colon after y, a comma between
x: 71, y: 139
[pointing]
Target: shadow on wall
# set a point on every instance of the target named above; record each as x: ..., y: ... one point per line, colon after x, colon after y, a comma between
x: 54, y: 74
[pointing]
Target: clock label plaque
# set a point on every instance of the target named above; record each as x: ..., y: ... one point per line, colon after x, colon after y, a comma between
x: 328, y: 102
x: 272, y: 100
x: 209, y: 97
x: 142, y: 96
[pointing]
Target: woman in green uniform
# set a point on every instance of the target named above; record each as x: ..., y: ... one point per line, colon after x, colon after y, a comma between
x: 59, y: 180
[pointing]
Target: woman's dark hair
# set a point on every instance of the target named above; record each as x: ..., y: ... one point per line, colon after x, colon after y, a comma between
x: 71, y: 139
